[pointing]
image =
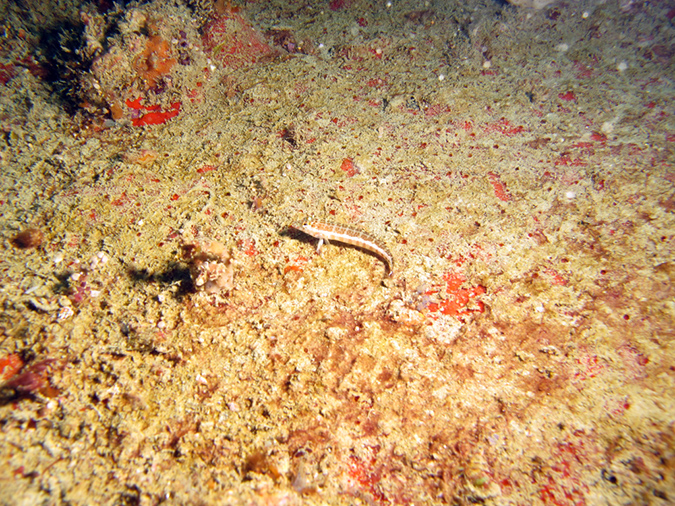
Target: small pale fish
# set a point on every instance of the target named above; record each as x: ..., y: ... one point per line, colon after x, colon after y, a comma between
x: 325, y: 231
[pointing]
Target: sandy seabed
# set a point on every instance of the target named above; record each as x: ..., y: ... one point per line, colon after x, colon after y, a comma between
x: 167, y: 337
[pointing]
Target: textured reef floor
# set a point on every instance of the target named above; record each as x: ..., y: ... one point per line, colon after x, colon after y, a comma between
x: 167, y: 336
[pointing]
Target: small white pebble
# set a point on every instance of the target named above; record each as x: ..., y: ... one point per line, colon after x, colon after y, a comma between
x: 622, y: 66
x: 75, y: 276
x: 487, y: 64
x: 58, y: 258
x: 389, y: 4
x: 161, y: 324
x: 161, y: 298
x: 141, y: 223
x: 95, y: 293
x: 441, y: 77
x: 64, y: 313
x: 539, y: 308
x: 571, y: 195
x: 585, y: 14
x: 31, y: 290
x: 201, y: 379
x: 562, y: 47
